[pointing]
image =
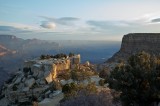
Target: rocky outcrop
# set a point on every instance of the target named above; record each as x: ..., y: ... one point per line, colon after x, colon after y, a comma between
x: 38, y: 79
x: 136, y: 42
x: 41, y: 81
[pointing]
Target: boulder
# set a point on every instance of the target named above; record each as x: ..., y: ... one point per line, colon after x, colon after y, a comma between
x: 42, y: 82
x: 30, y: 76
x: 20, y: 86
x: 48, y: 76
x: 45, y: 102
x: 40, y: 74
x: 25, y: 89
x: 106, y: 85
x: 85, y: 82
x: 51, y: 102
x: 40, y: 98
x: 70, y: 81
x: 46, y: 86
x: 10, y: 86
x: 30, y: 82
x: 47, y: 93
x: 18, y: 80
x: 57, y: 92
x: 46, y: 73
x: 14, y: 79
x: 37, y: 81
x: 95, y: 79
x: 87, y: 63
x: 23, y: 79
x: 51, y: 95
x: 63, y: 82
x: 35, y: 73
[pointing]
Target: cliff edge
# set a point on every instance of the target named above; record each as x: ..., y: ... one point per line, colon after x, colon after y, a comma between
x: 136, y: 42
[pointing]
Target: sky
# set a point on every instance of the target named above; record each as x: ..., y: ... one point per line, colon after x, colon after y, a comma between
x: 78, y: 19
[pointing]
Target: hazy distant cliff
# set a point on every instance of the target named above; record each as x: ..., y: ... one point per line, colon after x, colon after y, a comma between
x: 14, y: 43
x: 136, y: 42
x: 14, y: 50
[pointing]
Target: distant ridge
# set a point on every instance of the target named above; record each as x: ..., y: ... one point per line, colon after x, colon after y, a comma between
x: 14, y: 43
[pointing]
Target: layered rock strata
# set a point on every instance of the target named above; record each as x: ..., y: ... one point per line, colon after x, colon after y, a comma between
x: 136, y: 42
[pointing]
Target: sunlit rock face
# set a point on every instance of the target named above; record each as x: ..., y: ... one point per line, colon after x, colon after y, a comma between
x: 136, y: 42
x: 37, y: 76
x: 47, y: 69
x: 50, y: 68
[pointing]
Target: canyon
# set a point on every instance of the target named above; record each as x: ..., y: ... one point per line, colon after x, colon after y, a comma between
x: 39, y: 75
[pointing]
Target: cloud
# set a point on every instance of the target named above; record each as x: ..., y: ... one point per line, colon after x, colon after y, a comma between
x: 104, y: 24
x: 155, y: 20
x: 68, y: 27
x: 100, y: 24
x: 60, y: 19
x: 66, y: 21
x: 19, y: 26
x: 47, y: 24
x: 152, y: 18
x: 121, y: 27
x: 63, y: 21
x: 13, y: 29
x: 69, y: 19
x: 7, y: 28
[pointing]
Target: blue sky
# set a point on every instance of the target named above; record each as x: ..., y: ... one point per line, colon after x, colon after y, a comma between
x: 78, y: 19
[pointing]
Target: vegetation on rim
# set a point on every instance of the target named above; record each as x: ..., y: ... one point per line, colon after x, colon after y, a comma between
x: 138, y: 80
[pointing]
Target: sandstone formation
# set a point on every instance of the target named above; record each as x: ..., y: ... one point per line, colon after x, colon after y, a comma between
x: 37, y: 78
x: 43, y: 78
x: 136, y: 42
